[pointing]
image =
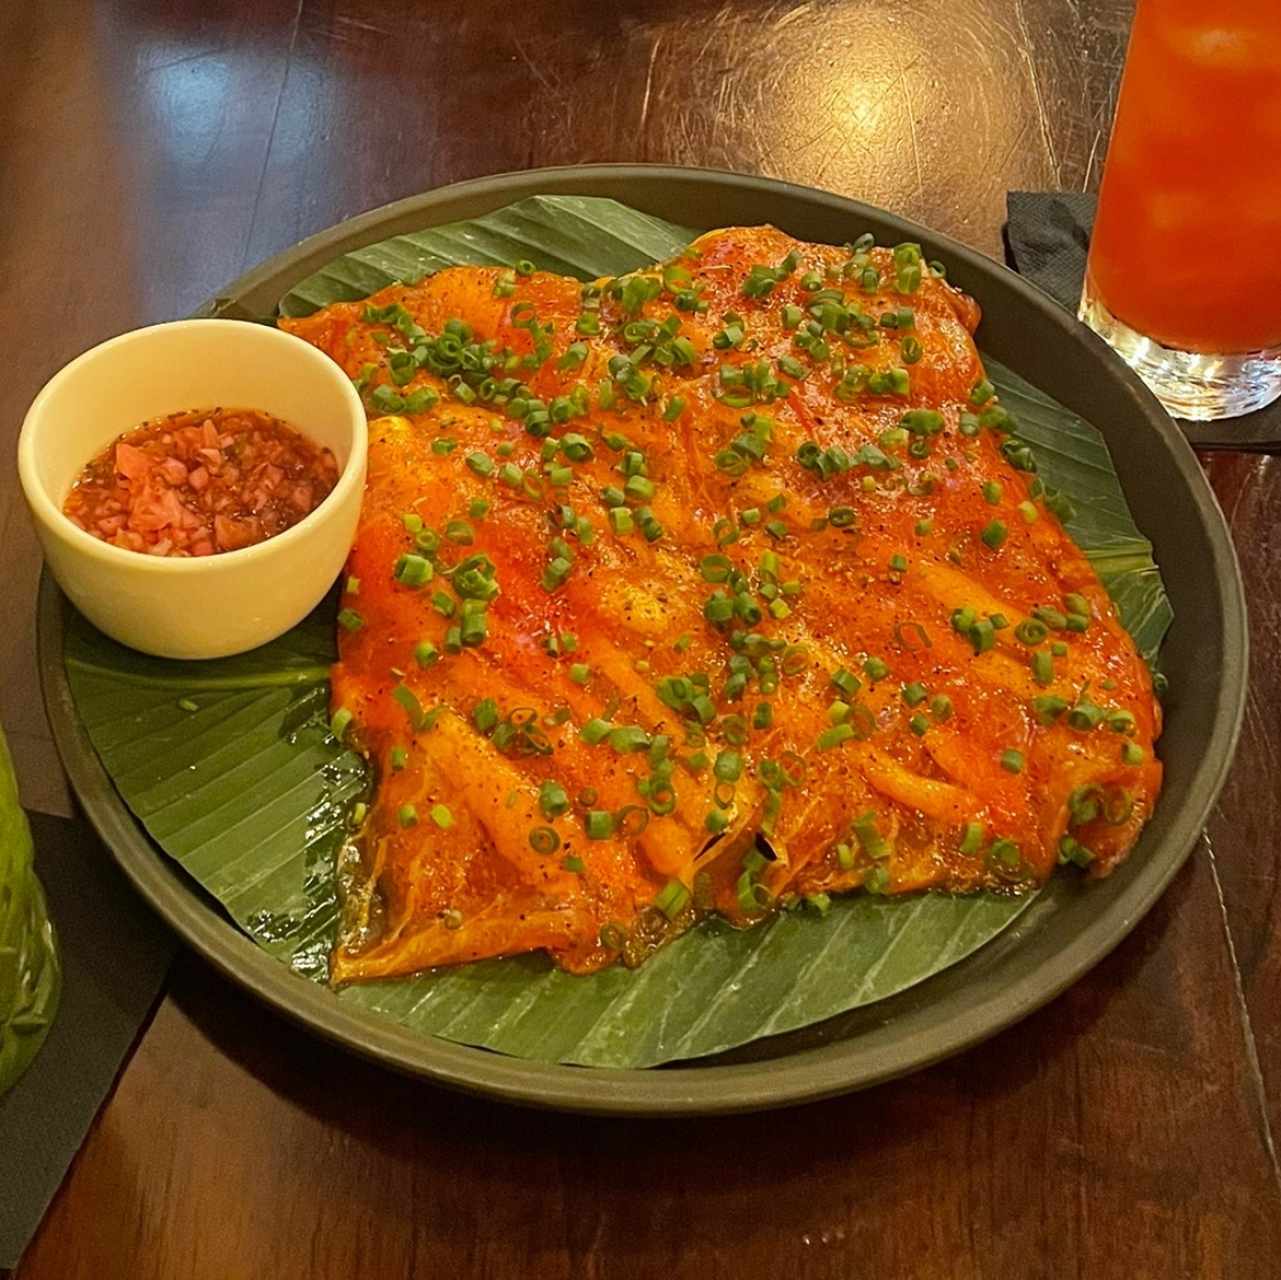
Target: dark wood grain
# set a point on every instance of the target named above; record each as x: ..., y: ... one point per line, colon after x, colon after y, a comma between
x: 151, y: 151
x: 1116, y: 1133
x: 1245, y: 831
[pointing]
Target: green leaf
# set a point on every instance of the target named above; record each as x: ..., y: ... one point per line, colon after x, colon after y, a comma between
x: 30, y: 971
x: 573, y: 235
x: 249, y: 790
x: 1072, y: 457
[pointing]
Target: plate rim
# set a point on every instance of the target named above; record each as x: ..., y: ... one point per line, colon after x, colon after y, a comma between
x: 810, y: 1074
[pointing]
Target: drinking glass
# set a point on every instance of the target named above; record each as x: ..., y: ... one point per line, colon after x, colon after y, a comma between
x: 1184, y: 271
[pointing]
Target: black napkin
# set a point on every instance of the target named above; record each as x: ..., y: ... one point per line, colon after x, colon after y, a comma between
x: 1046, y: 238
x: 115, y: 954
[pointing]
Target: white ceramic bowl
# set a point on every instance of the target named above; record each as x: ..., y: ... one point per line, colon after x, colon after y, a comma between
x: 209, y: 606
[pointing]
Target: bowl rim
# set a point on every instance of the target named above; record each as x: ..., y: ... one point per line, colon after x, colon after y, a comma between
x: 682, y: 1089
x: 49, y: 514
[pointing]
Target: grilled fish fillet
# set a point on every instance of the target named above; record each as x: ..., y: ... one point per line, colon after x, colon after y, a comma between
x: 734, y: 545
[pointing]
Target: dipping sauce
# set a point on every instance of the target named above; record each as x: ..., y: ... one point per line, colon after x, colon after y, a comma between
x: 199, y: 482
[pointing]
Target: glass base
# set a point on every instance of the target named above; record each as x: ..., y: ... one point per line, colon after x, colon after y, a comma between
x: 1190, y: 384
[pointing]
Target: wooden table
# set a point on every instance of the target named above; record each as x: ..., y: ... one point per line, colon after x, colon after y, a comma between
x: 150, y: 151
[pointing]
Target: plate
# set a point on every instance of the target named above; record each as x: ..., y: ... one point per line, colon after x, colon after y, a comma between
x: 1071, y: 925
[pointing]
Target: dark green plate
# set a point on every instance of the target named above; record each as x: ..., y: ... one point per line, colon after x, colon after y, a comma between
x: 1072, y: 924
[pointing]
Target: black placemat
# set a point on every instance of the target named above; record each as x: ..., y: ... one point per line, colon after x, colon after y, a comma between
x: 1047, y: 236
x: 115, y: 955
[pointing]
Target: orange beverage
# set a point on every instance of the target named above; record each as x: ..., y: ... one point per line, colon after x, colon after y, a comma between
x: 1186, y: 249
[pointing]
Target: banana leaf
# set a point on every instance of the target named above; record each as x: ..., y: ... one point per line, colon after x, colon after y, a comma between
x: 30, y: 971
x: 230, y: 766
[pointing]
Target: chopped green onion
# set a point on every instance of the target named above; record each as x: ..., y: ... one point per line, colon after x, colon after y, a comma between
x: 715, y: 568
x: 1031, y: 631
x: 983, y: 635
x: 595, y: 731
x: 544, y: 840
x: 716, y: 821
x: 1120, y: 720
x: 869, y: 837
x: 1074, y: 852
x: 555, y: 573
x: 672, y: 899
x: 552, y: 799
x: 834, y: 736
x: 914, y: 694
x: 1005, y: 852
x: 628, y: 738
x: 1012, y: 761
x: 981, y: 392
x: 407, y: 815
x: 442, y: 816
x: 845, y: 681
x: 485, y: 715
x: 728, y: 766
x: 1052, y: 618
x: 1049, y: 707
x: 876, y: 668
x: 1085, y: 715
x: 474, y: 628
x: 994, y: 534
x: 599, y: 824
x: 877, y: 879
x: 413, y: 570
x: 409, y: 701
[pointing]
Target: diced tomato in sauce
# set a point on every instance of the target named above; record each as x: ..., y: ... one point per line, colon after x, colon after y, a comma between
x: 199, y: 482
